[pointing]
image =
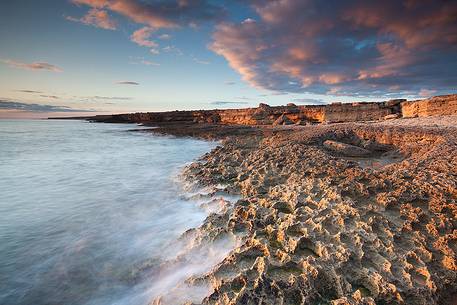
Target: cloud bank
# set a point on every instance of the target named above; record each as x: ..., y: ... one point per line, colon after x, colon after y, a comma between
x: 352, y: 47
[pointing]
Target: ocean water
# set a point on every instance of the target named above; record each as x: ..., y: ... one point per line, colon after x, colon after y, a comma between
x: 83, y: 205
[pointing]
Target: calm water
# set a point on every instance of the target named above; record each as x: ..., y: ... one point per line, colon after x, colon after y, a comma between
x: 83, y: 205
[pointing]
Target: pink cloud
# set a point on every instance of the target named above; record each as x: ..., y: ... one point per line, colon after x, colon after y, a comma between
x: 349, y: 47
x: 35, y: 66
x: 142, y: 37
x: 158, y: 14
x: 96, y: 17
x: 139, y: 12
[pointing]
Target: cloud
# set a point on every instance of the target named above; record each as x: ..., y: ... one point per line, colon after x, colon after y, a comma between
x: 165, y: 37
x: 142, y: 61
x: 35, y: 66
x: 98, y: 97
x: 142, y: 38
x: 160, y: 14
x: 200, y: 61
x: 172, y: 49
x: 227, y: 103
x: 125, y: 82
x: 149, y: 63
x: 50, y: 96
x: 230, y: 83
x: 28, y: 91
x: 245, y: 98
x: 96, y: 17
x: 153, y: 15
x: 11, y: 105
x: 349, y: 47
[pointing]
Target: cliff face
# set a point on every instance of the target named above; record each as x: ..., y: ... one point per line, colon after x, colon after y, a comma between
x: 359, y: 112
x: 438, y: 105
x: 300, y: 115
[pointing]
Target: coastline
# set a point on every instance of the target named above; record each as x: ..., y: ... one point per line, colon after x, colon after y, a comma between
x: 316, y: 225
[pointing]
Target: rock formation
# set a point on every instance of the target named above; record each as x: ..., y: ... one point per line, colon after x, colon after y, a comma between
x: 316, y: 227
x: 438, y: 105
x: 268, y: 115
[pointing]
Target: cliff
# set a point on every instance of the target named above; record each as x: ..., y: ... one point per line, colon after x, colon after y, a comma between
x: 438, y: 105
x: 299, y: 115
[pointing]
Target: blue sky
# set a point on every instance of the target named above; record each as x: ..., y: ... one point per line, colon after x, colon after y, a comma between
x: 207, y: 54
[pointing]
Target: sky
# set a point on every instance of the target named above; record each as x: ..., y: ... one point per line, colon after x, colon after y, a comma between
x: 87, y: 57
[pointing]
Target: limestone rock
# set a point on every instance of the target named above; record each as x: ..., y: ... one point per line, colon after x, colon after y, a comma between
x: 346, y: 149
x: 314, y: 228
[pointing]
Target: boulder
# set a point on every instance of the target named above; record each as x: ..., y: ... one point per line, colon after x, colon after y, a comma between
x: 346, y: 149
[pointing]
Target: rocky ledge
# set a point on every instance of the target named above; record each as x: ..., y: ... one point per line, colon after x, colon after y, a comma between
x: 336, y: 214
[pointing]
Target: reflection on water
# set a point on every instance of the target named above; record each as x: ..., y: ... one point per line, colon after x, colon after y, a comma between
x: 83, y: 206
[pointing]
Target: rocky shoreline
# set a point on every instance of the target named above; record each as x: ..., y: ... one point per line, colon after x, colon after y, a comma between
x: 354, y: 213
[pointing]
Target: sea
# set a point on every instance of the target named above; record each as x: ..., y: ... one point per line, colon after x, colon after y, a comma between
x: 84, y: 205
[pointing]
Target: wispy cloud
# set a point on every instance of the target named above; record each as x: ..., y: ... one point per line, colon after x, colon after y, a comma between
x: 227, y: 103
x: 245, y: 98
x: 142, y: 37
x: 229, y: 83
x: 126, y: 82
x: 173, y: 49
x: 98, y: 97
x: 149, y: 63
x: 35, y: 66
x: 142, y: 61
x: 49, y: 96
x: 96, y: 17
x: 200, y: 61
x: 28, y: 91
x: 12, y: 105
x: 165, y: 36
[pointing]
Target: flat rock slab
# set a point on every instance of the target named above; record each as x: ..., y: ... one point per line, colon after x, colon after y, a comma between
x: 346, y: 149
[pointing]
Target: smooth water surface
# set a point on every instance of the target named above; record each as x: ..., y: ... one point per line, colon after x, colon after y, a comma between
x: 82, y: 205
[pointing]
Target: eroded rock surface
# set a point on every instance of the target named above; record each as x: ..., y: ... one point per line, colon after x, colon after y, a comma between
x: 316, y: 228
